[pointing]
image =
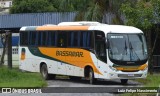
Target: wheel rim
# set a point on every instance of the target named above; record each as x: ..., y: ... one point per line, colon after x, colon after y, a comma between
x: 91, y: 77
x: 44, y: 72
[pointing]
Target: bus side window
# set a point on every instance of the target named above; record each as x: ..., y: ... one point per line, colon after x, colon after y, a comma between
x: 29, y: 38
x: 33, y: 38
x: 24, y: 38
x: 52, y: 37
x: 86, y: 39
x: 39, y: 38
x: 43, y: 38
x: 46, y: 43
x: 62, y: 39
x: 73, y: 39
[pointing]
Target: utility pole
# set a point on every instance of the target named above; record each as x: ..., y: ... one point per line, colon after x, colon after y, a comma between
x: 9, y: 37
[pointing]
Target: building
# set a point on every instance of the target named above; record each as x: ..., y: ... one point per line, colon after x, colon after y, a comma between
x: 13, y: 22
x: 5, y: 5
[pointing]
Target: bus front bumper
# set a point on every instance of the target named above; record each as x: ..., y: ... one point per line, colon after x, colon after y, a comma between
x: 128, y: 75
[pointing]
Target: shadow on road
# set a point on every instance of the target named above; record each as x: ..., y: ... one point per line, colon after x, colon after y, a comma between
x: 99, y: 82
x: 65, y: 85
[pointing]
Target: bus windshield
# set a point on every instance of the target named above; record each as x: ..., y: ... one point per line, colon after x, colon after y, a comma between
x: 127, y: 47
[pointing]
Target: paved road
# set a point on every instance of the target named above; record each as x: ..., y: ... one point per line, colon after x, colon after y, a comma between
x: 69, y: 86
x: 84, y: 83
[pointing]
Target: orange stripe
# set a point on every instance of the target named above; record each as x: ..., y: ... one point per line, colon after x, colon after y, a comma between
x: 143, y: 67
x: 22, y: 57
x: 132, y: 68
x: 76, y: 61
x: 62, y: 28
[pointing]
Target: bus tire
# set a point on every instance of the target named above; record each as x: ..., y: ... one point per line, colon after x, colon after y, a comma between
x: 124, y: 81
x: 51, y: 76
x: 44, y: 72
x: 92, y: 80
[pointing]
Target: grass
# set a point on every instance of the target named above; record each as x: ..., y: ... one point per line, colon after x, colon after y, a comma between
x: 151, y: 81
x: 16, y: 78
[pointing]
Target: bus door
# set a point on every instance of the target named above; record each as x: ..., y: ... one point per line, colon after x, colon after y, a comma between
x: 100, y: 48
x: 61, y: 44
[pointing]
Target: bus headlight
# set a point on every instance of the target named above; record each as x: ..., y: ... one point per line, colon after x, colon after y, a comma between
x: 143, y: 67
x: 146, y: 68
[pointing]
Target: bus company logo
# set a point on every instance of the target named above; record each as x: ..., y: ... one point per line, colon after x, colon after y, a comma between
x: 6, y: 90
x: 69, y: 53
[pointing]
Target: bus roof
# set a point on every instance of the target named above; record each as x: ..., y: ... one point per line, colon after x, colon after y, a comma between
x: 79, y: 23
x: 85, y: 26
x: 47, y: 28
x: 118, y: 29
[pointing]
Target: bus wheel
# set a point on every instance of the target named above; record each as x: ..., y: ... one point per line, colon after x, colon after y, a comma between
x: 91, y: 77
x: 44, y: 72
x: 51, y: 76
x: 124, y: 81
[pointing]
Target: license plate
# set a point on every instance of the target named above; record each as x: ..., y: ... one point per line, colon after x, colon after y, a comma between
x: 131, y: 75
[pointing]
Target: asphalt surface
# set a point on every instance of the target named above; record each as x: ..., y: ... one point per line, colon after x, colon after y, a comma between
x: 67, y: 87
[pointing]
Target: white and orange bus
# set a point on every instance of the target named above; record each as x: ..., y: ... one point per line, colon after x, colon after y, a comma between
x: 84, y: 49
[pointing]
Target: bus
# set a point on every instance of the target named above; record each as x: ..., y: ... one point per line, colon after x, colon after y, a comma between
x: 90, y: 50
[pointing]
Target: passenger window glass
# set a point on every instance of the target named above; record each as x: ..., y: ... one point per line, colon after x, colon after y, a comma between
x: 73, y: 39
x: 62, y: 39
x: 24, y: 38
x: 86, y: 39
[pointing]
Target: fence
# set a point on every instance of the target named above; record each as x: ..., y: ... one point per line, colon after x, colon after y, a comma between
x: 14, y: 56
x: 156, y: 61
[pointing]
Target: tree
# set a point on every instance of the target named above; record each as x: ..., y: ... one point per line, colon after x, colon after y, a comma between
x: 94, y: 10
x: 55, y: 4
x: 90, y: 10
x: 4, y: 43
x: 143, y: 14
x: 31, y: 6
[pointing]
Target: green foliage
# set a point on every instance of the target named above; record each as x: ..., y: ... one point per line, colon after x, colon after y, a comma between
x: 92, y: 10
x: 73, y: 5
x: 156, y: 9
x: 15, y: 78
x: 93, y: 13
x: 143, y: 14
x: 31, y: 6
x: 140, y: 15
x: 152, y: 81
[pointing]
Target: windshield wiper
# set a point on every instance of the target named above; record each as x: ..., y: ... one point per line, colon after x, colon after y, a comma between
x: 125, y: 48
x: 132, y: 51
x: 124, y: 51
